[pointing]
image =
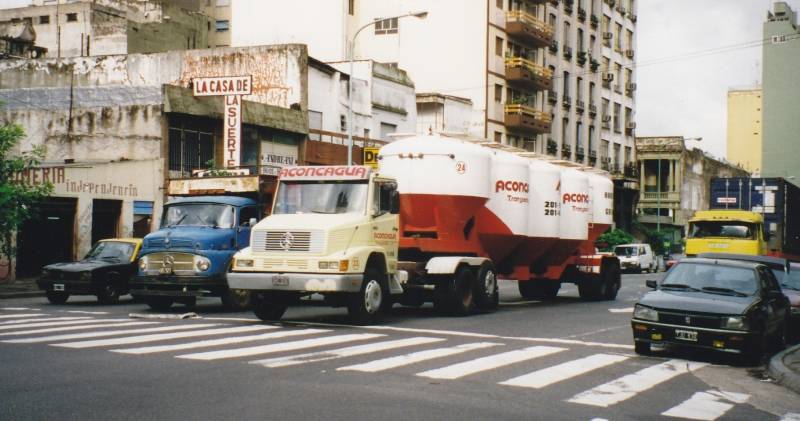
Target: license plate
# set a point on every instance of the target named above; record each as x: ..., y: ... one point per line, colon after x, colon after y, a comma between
x: 58, y: 287
x: 280, y: 281
x: 686, y: 335
x: 165, y: 271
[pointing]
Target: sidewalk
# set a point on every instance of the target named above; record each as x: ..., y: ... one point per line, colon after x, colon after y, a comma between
x: 20, y: 288
x: 784, y: 367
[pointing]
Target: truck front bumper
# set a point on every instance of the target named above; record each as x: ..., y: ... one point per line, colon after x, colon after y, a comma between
x: 179, y: 286
x: 296, y: 282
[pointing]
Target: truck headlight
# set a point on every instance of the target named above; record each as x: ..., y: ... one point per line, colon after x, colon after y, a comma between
x: 645, y: 313
x: 736, y: 322
x: 202, y: 263
x: 244, y: 263
x: 143, y: 263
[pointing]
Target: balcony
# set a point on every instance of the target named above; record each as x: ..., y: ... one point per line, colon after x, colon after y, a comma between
x: 566, y: 151
x: 526, y: 118
x: 632, y: 171
x: 526, y: 73
x: 580, y: 153
x: 592, y: 109
x: 605, y: 163
x: 581, y: 58
x: 566, y: 102
x: 568, y: 6
x: 650, y: 197
x: 523, y: 25
x: 580, y: 106
x: 553, y: 47
x: 594, y: 21
x: 594, y: 64
x: 552, y: 147
x: 567, y: 52
x: 554, y: 2
x: 552, y: 97
x: 581, y: 14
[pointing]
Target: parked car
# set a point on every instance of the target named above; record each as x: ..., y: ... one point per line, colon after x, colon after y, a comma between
x: 719, y: 304
x: 636, y: 257
x: 104, y: 272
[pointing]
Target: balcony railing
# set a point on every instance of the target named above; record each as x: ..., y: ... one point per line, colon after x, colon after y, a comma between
x: 581, y: 58
x: 524, y: 25
x: 552, y: 97
x: 592, y: 109
x: 672, y: 196
x: 567, y: 52
x: 526, y: 118
x: 594, y: 20
x: 566, y: 151
x: 531, y: 75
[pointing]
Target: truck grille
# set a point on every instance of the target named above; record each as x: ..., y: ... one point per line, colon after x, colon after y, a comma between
x: 288, y: 241
x: 173, y: 242
x: 181, y: 262
x: 711, y: 322
x: 276, y: 264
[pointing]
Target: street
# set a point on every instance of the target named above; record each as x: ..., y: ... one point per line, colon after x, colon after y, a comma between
x: 564, y: 359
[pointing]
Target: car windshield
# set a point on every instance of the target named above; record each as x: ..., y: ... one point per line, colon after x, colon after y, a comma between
x: 728, y: 229
x: 111, y: 250
x: 626, y: 251
x: 711, y: 278
x: 198, y: 214
x: 321, y: 197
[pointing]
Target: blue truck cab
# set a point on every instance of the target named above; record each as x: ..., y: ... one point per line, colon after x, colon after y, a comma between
x: 189, y: 256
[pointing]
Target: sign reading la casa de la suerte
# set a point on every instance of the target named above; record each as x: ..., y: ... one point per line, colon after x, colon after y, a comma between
x: 232, y: 88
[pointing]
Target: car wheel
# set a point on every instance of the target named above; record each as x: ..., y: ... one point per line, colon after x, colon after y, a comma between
x: 365, y: 306
x: 642, y: 348
x: 158, y: 303
x: 781, y: 337
x: 57, y: 297
x: 109, y: 294
x: 236, y: 299
x: 267, y: 309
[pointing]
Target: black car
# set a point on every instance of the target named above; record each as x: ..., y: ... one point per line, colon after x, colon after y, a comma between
x: 719, y: 304
x: 104, y: 272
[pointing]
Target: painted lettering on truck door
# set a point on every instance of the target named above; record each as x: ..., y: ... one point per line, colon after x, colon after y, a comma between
x: 385, y: 229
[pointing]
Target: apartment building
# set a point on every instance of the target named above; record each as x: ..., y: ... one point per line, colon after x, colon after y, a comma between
x: 745, y: 128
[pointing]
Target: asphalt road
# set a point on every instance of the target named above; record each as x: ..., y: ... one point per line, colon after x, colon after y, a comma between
x: 564, y: 359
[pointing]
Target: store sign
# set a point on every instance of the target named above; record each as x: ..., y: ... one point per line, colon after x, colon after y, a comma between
x: 275, y: 156
x: 112, y: 180
x: 371, y: 157
x: 232, y: 88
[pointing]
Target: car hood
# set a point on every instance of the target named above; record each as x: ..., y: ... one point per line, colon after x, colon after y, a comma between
x: 83, y: 265
x: 699, y: 302
x: 191, y: 238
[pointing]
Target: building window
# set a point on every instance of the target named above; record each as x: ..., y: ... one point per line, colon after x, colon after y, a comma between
x: 44, y: 19
x: 617, y: 112
x: 314, y: 123
x: 351, y: 7
x: 591, y: 138
x: 190, y: 147
x: 72, y: 17
x: 386, y: 26
x: 222, y: 25
x: 580, y: 40
x: 579, y: 88
x: 591, y: 93
x: 142, y: 218
x: 565, y: 35
x: 629, y: 39
x: 498, y: 93
x: 387, y: 129
x: 566, y: 84
x: 498, y: 46
x: 498, y: 137
x: 618, y: 37
x: 564, y: 132
x: 578, y: 130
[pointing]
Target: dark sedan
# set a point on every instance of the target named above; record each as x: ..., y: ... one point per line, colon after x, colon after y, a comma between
x: 104, y: 272
x: 718, y: 304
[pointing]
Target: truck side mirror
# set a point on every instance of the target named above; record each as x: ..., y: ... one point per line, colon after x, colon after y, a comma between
x: 253, y: 222
x: 395, y: 208
x: 651, y: 283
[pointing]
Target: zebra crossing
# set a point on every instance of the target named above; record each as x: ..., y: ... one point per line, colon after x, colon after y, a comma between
x: 424, y: 356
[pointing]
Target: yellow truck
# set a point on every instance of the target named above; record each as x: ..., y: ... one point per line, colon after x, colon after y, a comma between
x: 726, y: 231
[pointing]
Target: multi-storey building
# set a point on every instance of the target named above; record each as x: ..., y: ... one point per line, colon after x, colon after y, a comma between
x: 745, y: 128
x: 780, y: 151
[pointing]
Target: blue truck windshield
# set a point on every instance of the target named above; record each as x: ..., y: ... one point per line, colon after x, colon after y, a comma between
x: 321, y: 197
x: 198, y: 214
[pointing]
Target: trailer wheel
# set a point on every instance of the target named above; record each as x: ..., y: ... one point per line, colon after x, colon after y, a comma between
x: 487, y: 294
x: 455, y: 296
x: 268, y: 309
x: 610, y: 275
x: 366, y: 306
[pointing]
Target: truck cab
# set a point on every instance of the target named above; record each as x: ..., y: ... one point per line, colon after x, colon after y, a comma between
x: 189, y: 255
x: 332, y: 231
x: 726, y: 231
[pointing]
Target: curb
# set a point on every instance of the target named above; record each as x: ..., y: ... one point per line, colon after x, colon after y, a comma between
x: 782, y: 374
x: 21, y: 294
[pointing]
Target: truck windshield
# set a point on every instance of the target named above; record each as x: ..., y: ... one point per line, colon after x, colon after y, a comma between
x: 321, y: 197
x: 111, y: 250
x: 728, y: 229
x: 198, y: 214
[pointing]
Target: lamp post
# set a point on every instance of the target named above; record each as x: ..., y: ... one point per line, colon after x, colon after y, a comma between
x: 351, y: 46
x: 658, y: 187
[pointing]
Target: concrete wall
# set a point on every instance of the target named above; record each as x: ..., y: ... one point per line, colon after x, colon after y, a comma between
x: 697, y: 170
x: 440, y: 113
x: 780, y: 150
x: 745, y: 128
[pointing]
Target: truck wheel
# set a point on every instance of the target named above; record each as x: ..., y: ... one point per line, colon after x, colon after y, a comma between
x: 268, y: 309
x: 459, y: 299
x: 109, y: 294
x: 158, y: 303
x: 365, y: 306
x: 236, y: 299
x: 610, y: 275
x: 487, y: 294
x: 57, y: 297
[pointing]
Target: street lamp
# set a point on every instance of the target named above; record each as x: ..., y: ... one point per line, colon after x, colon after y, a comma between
x: 658, y: 187
x: 351, y: 53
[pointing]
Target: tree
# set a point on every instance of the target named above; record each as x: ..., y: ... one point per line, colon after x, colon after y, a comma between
x: 17, y: 200
x: 613, y: 238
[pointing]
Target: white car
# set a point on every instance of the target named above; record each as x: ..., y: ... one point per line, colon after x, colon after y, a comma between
x: 636, y: 257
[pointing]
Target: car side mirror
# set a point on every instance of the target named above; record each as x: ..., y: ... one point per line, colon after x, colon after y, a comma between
x: 651, y: 284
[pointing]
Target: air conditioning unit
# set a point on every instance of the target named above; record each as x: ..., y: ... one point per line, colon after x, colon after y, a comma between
x: 606, y: 118
x: 630, y: 125
x: 629, y: 53
x: 608, y: 35
x: 608, y: 77
x: 630, y: 87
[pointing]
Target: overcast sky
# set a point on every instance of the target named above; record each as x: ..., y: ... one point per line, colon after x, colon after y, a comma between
x: 679, y: 95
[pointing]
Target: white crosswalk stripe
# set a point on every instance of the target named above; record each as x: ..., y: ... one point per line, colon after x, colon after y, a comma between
x: 547, y: 376
x: 628, y: 386
x: 708, y: 405
x: 82, y: 321
x: 456, y: 371
x: 159, y: 337
x: 415, y: 357
x: 791, y: 416
x: 16, y: 322
x: 100, y: 334
x: 217, y: 342
x: 280, y: 347
x: 17, y: 316
x: 344, y: 352
x: 69, y: 328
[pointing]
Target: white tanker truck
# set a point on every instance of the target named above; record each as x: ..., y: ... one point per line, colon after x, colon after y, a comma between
x: 441, y: 221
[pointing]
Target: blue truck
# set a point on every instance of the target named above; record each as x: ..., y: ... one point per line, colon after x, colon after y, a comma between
x: 190, y: 254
